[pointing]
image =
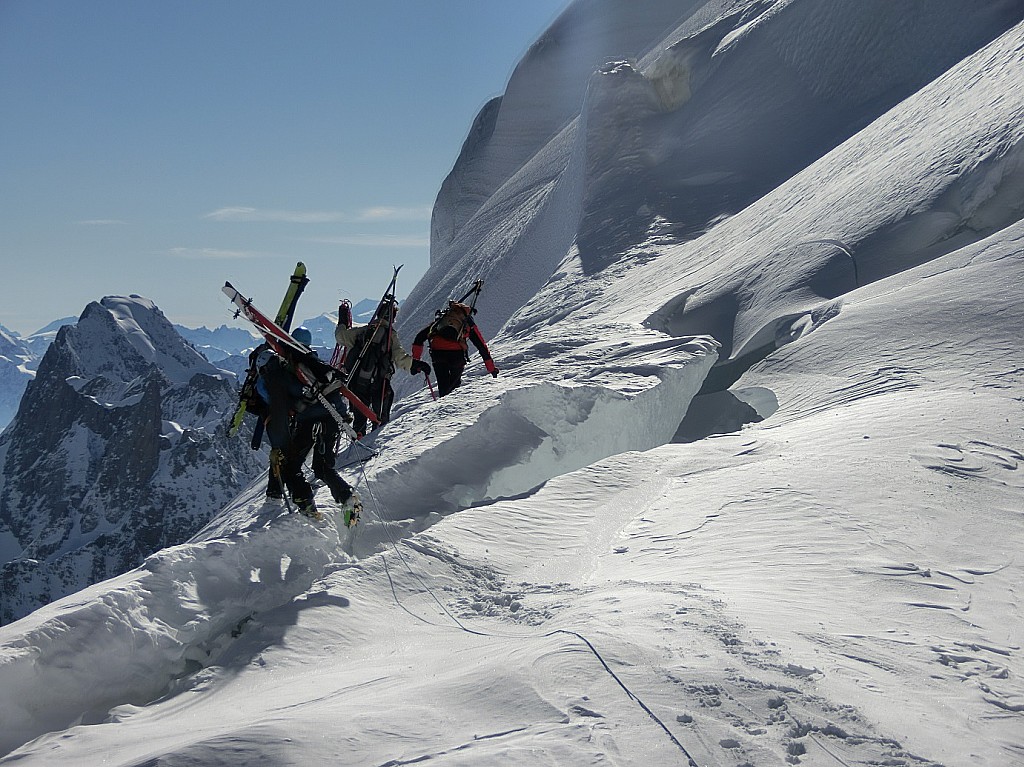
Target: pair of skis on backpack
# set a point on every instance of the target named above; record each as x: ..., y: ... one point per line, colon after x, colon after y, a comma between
x: 305, y: 363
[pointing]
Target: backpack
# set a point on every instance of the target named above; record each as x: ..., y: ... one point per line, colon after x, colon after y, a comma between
x: 373, y: 356
x: 452, y: 323
x: 249, y: 393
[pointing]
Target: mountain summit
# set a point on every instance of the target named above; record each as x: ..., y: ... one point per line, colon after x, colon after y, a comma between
x: 117, y: 450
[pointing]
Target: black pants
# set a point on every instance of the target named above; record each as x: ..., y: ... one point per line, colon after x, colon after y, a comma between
x: 321, y: 436
x: 283, y: 389
x: 291, y: 475
x: 448, y: 367
x: 379, y: 398
x: 313, y: 428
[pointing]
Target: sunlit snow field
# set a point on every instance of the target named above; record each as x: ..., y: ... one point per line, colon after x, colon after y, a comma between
x: 748, y: 490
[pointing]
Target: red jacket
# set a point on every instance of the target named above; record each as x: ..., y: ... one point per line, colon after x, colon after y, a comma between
x: 470, y: 332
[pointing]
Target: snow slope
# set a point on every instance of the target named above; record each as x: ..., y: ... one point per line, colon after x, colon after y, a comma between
x: 747, y: 491
x: 692, y: 119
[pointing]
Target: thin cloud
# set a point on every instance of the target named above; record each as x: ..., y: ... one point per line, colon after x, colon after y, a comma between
x: 239, y: 214
x: 376, y: 214
x: 102, y: 222
x: 214, y: 254
x: 376, y: 240
x: 386, y: 213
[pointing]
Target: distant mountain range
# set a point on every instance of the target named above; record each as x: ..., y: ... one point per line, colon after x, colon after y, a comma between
x: 226, y: 347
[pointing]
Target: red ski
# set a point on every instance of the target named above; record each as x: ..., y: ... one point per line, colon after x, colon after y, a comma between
x: 282, y: 342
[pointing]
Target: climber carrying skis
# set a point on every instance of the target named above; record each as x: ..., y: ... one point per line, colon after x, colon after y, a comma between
x: 448, y: 336
x: 297, y: 424
x: 374, y: 353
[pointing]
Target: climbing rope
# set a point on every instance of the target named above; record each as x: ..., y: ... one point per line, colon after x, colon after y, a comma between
x: 461, y: 626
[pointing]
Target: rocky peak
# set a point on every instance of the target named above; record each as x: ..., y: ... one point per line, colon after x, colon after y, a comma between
x: 99, y: 467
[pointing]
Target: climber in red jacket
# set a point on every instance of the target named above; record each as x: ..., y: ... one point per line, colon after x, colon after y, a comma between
x: 448, y: 337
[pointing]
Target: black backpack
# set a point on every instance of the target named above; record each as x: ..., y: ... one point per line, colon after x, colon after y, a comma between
x: 248, y: 394
x: 373, y: 355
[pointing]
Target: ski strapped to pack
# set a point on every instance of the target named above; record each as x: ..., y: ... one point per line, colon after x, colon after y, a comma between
x: 296, y: 284
x: 301, y: 355
x: 389, y: 295
x: 475, y: 292
x: 454, y: 321
x: 338, y: 357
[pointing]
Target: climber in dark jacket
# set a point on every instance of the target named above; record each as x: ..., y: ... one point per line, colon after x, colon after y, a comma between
x: 297, y: 424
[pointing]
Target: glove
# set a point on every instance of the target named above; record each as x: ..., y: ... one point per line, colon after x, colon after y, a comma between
x: 276, y: 459
x: 419, y: 366
x: 489, y: 364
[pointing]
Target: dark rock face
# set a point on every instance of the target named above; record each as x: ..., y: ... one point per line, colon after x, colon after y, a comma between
x: 118, y: 449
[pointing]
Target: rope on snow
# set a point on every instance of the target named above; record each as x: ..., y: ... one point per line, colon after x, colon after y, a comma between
x: 590, y: 646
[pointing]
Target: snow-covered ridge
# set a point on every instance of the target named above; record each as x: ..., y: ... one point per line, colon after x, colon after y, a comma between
x: 516, y: 434
x: 183, y: 602
x: 824, y: 570
x: 253, y: 559
x: 151, y: 337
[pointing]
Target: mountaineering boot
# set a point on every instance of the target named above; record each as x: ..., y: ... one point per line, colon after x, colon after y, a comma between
x: 307, y: 508
x: 353, y: 506
x: 342, y: 491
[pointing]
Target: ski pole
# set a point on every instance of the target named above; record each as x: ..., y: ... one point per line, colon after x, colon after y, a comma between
x: 477, y: 287
x: 430, y: 386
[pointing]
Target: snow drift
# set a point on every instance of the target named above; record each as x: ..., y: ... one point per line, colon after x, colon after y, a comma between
x: 747, y: 489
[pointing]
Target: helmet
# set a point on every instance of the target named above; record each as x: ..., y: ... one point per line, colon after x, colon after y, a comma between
x: 264, y: 357
x: 302, y: 335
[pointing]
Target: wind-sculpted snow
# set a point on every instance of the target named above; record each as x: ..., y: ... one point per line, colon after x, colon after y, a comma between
x: 487, y: 444
x: 770, y: 273
x: 804, y: 277
x: 126, y: 641
x: 687, y: 128
x: 621, y: 551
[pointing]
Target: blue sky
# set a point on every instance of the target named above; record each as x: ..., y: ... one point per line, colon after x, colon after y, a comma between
x: 161, y: 148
